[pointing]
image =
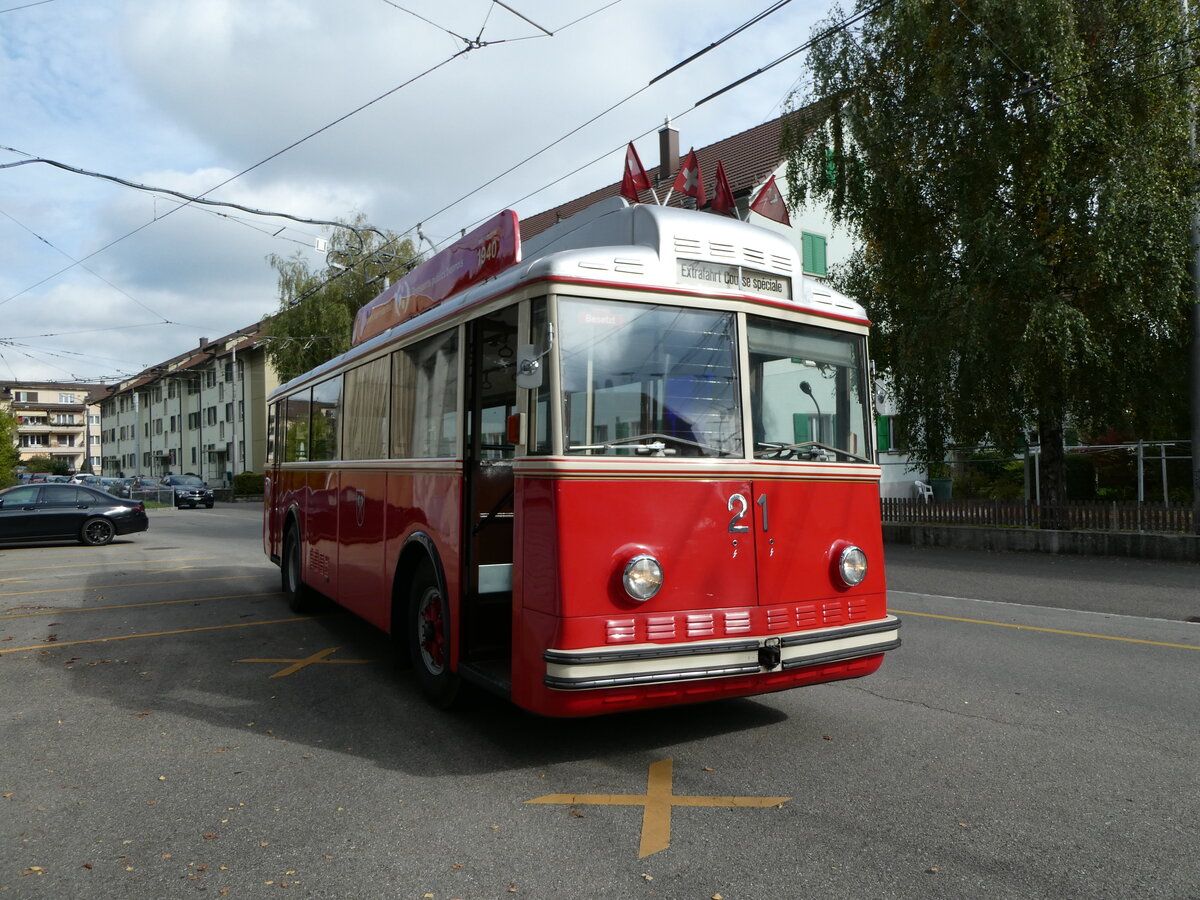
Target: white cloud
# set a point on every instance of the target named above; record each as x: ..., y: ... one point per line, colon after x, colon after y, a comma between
x: 185, y: 95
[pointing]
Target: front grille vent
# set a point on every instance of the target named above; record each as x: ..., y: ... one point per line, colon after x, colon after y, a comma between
x: 700, y: 625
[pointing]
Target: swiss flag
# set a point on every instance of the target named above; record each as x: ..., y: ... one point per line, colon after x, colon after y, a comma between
x: 769, y: 203
x: 689, y: 180
x: 723, y: 195
x: 635, y: 178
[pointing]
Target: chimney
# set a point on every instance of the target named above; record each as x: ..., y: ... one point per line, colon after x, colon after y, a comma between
x: 203, y: 341
x: 668, y: 151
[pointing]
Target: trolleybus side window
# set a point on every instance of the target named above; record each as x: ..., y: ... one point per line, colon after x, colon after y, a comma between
x: 272, y: 424
x: 425, y: 412
x: 495, y: 384
x: 808, y: 392
x: 324, y: 423
x: 366, y: 411
x: 539, y: 401
x: 647, y: 379
x: 295, y: 426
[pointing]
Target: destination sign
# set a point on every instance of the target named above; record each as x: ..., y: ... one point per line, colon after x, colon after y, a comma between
x: 700, y: 273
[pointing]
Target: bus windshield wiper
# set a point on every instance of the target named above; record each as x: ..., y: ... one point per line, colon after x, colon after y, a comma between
x: 652, y: 445
x: 804, y: 450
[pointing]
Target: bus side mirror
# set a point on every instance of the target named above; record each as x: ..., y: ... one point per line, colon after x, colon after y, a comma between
x: 529, y: 366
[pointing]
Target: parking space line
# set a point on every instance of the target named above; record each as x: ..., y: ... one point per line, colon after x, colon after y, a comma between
x: 150, y: 634
x: 92, y: 565
x: 112, y: 587
x: 657, y: 804
x: 298, y: 664
x: 1085, y: 634
x: 78, y: 609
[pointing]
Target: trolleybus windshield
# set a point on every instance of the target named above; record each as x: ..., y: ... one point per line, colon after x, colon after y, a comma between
x: 807, y: 392
x: 643, y: 379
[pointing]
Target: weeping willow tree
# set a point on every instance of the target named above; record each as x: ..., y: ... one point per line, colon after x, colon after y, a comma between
x: 317, y: 306
x: 1017, y: 176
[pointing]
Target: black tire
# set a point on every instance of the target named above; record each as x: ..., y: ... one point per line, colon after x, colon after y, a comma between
x: 97, y: 531
x: 429, y: 639
x: 300, y: 597
x: 208, y: 505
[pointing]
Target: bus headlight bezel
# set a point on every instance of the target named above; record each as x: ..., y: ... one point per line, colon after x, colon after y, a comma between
x: 642, y: 578
x: 852, y: 565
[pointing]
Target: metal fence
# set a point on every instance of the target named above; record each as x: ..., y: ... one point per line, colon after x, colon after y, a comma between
x: 1018, y: 514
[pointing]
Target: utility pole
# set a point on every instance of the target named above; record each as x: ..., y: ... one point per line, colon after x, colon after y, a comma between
x: 1194, y: 271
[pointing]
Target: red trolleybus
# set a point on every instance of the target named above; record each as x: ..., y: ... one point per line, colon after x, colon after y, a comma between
x: 628, y: 464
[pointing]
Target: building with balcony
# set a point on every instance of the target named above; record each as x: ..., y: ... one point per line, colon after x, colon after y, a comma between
x: 203, y: 412
x: 61, y: 421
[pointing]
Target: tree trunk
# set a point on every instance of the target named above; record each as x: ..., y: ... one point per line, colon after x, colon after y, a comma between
x: 1053, y: 472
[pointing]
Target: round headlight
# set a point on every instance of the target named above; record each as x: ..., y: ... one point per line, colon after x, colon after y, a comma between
x: 852, y: 566
x: 643, y: 577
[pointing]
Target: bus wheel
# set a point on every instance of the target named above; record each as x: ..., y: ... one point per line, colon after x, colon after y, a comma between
x: 299, y: 595
x: 429, y: 639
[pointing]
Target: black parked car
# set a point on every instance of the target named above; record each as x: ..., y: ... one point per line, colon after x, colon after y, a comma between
x: 33, y: 512
x: 189, y: 491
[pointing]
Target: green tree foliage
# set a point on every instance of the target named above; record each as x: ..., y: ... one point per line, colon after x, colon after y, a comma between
x: 317, y: 307
x: 1016, y: 174
x: 8, y: 448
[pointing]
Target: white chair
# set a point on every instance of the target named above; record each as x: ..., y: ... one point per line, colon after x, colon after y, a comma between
x: 923, y: 491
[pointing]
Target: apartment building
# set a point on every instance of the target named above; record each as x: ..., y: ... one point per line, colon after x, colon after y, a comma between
x: 61, y: 421
x: 203, y: 412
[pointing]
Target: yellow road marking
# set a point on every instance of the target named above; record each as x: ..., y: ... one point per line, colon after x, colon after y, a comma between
x: 1099, y: 637
x: 298, y: 664
x: 113, y: 587
x: 92, y: 565
x: 148, y: 634
x: 656, y: 805
x: 79, y: 609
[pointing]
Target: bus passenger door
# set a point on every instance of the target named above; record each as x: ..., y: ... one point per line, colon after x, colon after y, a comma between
x: 491, y: 397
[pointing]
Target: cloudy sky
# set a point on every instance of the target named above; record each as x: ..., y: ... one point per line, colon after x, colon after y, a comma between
x: 98, y: 281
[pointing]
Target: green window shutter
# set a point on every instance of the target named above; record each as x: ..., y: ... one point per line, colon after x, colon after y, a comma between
x: 812, y: 248
x: 800, y: 426
x: 883, y: 428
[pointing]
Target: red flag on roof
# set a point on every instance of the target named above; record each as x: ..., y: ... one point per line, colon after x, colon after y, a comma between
x: 635, y: 178
x: 689, y: 180
x: 769, y: 203
x: 723, y: 201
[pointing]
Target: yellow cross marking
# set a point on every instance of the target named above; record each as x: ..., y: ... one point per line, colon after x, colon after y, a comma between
x: 298, y: 664
x: 656, y: 805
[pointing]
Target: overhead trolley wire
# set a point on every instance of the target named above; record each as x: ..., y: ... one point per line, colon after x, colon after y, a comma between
x: 752, y: 21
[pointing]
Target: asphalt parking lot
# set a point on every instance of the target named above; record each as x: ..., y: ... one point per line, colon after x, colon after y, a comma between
x: 168, y: 727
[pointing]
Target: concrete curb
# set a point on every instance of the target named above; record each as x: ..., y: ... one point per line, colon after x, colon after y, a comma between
x: 1172, y: 547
